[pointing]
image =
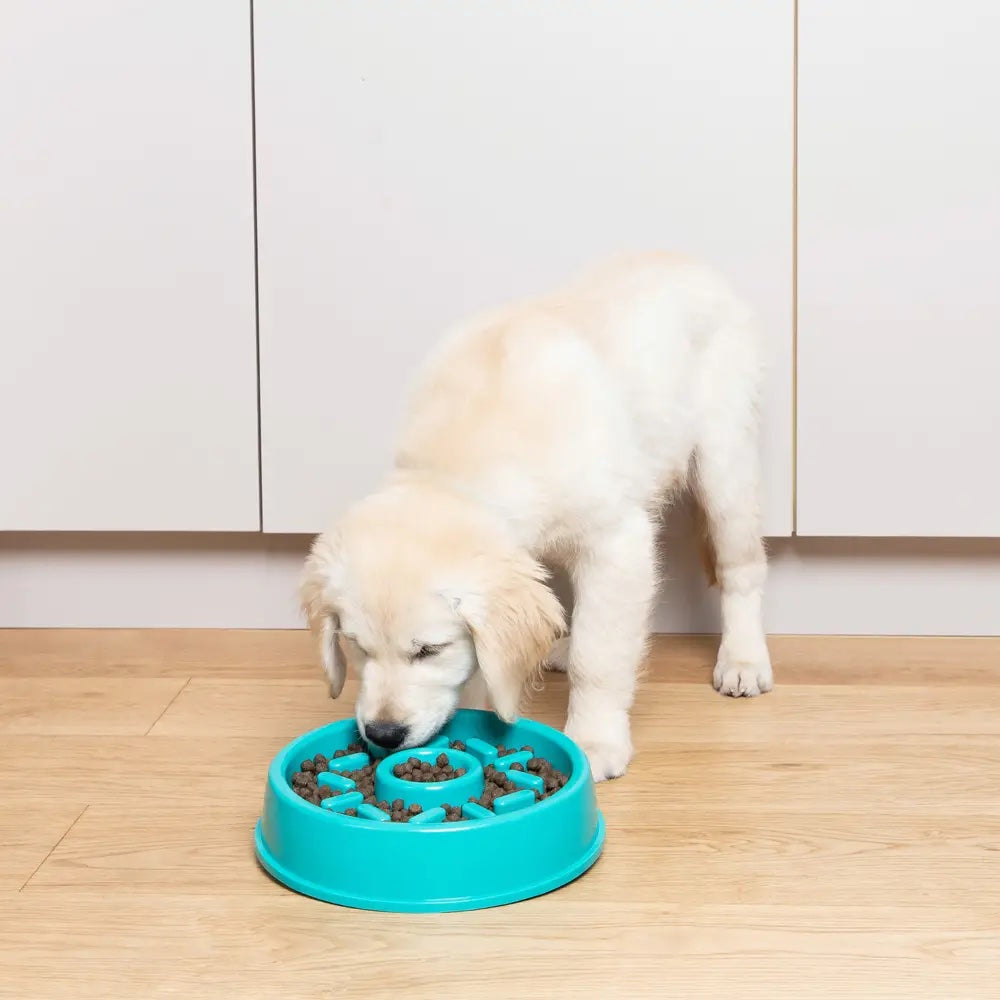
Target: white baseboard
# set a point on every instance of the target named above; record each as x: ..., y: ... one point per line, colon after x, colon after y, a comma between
x: 816, y: 586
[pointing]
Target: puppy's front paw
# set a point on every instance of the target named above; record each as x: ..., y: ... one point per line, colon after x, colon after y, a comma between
x: 608, y: 746
x: 742, y: 676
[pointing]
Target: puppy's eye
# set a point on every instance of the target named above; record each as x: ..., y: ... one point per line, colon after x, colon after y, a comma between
x: 425, y: 652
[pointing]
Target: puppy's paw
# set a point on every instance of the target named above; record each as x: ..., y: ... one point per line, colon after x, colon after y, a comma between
x: 558, y: 658
x: 742, y: 676
x: 607, y: 760
x: 608, y: 745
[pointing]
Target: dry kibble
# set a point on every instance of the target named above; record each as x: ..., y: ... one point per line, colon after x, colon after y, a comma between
x: 496, y: 781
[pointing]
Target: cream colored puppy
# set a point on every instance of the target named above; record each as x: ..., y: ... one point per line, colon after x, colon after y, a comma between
x: 555, y: 430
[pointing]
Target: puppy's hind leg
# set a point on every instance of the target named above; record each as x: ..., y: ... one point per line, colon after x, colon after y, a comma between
x: 558, y: 658
x: 614, y: 580
x: 726, y: 486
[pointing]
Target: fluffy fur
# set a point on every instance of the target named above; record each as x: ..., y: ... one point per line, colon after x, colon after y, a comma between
x: 553, y: 431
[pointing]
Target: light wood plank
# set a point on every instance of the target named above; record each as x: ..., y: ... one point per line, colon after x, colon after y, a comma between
x: 127, y: 768
x: 281, y: 654
x: 290, y: 655
x: 555, y: 946
x: 30, y: 831
x: 677, y: 712
x: 653, y: 855
x: 95, y: 705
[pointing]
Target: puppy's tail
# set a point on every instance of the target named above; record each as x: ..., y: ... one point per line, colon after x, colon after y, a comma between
x: 703, y: 537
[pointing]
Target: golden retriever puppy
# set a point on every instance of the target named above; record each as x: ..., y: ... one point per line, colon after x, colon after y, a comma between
x: 552, y: 430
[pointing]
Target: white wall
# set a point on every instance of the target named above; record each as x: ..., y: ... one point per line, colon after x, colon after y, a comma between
x: 419, y: 162
x: 128, y: 395
x: 898, y: 244
x: 897, y: 586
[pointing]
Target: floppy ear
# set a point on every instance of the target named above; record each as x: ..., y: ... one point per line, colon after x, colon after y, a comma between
x: 324, y: 621
x: 513, y: 620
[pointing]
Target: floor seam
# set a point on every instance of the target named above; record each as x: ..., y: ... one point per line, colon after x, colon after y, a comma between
x: 168, y: 706
x: 52, y: 850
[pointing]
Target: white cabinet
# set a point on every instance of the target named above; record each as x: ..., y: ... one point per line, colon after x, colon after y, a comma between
x: 127, y: 340
x: 419, y: 161
x: 899, y: 246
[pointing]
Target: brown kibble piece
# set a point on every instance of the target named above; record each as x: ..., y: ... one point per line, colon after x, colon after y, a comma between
x: 457, y: 745
x: 350, y: 812
x: 308, y: 766
x: 527, y: 750
x: 442, y: 759
x: 460, y: 772
x: 416, y: 809
x: 517, y: 767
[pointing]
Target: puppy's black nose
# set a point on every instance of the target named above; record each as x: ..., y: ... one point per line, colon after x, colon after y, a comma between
x: 386, y: 734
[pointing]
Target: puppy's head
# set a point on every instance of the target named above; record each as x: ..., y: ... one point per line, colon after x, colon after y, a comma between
x: 418, y: 589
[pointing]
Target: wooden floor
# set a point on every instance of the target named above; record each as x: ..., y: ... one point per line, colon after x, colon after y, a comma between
x: 837, y: 838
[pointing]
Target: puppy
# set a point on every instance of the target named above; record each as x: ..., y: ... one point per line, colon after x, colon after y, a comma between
x: 551, y: 430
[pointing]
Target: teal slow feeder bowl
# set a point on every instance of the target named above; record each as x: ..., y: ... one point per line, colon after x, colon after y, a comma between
x: 518, y: 849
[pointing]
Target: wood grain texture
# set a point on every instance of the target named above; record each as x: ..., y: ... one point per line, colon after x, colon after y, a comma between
x: 94, y: 705
x: 837, y: 838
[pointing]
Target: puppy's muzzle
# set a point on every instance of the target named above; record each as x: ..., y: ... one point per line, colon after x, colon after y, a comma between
x: 388, y: 735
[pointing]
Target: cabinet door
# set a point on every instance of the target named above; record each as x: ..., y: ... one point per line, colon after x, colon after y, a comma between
x: 417, y: 162
x: 899, y: 243
x: 127, y: 327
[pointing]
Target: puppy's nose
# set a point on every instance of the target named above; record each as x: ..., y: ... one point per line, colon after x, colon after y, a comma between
x: 386, y: 734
